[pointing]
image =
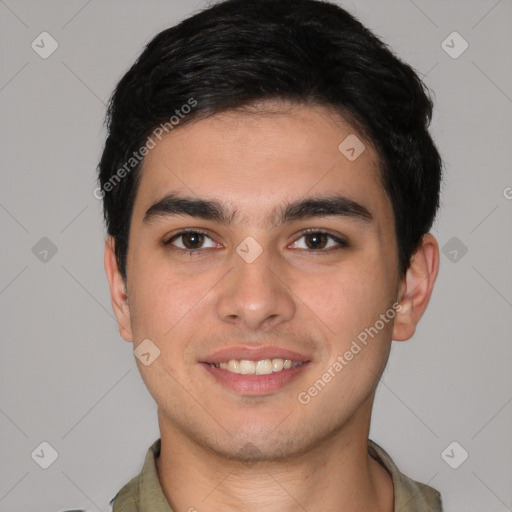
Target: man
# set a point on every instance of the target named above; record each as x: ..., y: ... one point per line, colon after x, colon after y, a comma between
x: 269, y: 184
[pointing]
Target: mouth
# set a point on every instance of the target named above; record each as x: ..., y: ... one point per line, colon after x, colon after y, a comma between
x: 255, y: 372
x: 261, y: 367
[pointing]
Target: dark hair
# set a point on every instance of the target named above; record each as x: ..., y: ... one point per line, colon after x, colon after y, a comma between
x: 237, y: 52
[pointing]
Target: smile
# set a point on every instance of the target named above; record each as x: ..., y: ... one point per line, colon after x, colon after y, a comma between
x: 261, y: 367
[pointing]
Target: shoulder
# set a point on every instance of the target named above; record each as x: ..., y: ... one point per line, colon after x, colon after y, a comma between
x: 127, y: 499
x: 410, y: 495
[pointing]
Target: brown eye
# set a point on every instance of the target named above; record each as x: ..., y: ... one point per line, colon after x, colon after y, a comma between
x: 319, y: 241
x: 191, y: 241
x: 316, y: 240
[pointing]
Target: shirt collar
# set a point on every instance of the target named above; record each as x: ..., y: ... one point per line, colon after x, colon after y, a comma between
x: 152, y: 498
x: 410, y: 496
x: 144, y: 492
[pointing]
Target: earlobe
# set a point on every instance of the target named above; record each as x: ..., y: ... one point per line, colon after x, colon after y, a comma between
x: 118, y: 292
x: 416, y: 288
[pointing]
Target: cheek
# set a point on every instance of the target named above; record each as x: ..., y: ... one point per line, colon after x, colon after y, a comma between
x: 351, y: 301
x: 347, y: 298
x: 160, y: 299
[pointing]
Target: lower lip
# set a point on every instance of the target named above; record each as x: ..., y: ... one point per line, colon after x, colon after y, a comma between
x: 255, y: 385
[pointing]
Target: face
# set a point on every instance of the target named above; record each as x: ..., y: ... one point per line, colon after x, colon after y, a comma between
x: 254, y: 238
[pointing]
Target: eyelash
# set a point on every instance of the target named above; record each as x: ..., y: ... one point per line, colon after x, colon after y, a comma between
x: 342, y: 244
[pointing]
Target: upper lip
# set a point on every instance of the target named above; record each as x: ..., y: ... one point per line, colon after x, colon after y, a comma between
x: 253, y: 354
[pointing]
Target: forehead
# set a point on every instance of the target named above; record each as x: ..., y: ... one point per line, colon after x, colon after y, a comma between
x: 252, y: 160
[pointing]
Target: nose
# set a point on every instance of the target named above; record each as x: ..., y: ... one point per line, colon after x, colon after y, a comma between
x: 255, y: 295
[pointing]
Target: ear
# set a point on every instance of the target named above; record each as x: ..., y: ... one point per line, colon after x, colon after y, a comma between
x: 416, y: 288
x: 118, y: 292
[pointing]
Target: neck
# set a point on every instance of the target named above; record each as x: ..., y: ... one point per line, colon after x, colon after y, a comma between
x: 337, y: 474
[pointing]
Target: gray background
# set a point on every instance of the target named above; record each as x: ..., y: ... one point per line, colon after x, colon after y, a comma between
x: 67, y: 377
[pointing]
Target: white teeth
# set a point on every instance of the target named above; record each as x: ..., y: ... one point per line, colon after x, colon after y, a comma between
x: 261, y: 367
x: 264, y: 367
x: 233, y: 366
x: 247, y: 367
x: 277, y: 365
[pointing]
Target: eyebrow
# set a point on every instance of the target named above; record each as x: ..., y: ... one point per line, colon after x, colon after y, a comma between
x: 332, y: 205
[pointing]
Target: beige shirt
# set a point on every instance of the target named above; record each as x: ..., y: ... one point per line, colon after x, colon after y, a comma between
x: 144, y: 493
